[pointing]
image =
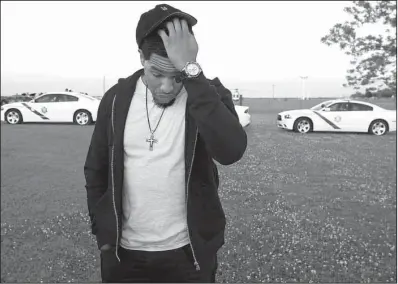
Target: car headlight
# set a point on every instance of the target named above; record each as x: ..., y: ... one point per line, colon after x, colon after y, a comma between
x: 287, y: 116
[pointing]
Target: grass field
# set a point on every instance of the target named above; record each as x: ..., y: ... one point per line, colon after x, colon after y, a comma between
x: 300, y: 208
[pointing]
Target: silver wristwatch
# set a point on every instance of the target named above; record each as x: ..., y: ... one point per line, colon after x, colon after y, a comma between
x: 191, y: 70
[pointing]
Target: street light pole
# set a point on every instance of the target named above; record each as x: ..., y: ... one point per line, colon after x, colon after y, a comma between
x: 303, y: 78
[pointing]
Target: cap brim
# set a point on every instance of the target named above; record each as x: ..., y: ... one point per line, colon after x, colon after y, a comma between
x: 191, y: 21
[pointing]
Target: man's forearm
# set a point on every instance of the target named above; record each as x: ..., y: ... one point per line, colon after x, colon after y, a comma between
x: 218, y: 126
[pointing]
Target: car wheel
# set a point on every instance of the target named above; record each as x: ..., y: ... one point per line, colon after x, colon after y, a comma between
x: 82, y: 117
x: 13, y: 116
x: 303, y: 125
x: 378, y: 127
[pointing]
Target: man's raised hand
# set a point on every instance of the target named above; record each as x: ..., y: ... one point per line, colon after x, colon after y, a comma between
x: 180, y: 44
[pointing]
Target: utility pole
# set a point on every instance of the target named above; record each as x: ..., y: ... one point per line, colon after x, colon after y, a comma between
x: 303, y: 78
x: 273, y: 91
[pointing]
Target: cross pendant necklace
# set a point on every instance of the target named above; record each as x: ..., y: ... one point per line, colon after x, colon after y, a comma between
x: 152, y: 139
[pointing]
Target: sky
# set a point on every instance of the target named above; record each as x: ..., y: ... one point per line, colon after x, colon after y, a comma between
x: 50, y: 46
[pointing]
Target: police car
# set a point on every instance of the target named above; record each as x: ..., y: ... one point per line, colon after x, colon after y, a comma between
x: 73, y: 107
x: 340, y: 116
x: 243, y: 114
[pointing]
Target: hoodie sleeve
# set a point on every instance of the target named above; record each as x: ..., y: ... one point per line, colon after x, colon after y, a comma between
x: 213, y: 110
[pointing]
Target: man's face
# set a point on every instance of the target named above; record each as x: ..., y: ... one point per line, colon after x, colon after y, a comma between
x: 160, y: 76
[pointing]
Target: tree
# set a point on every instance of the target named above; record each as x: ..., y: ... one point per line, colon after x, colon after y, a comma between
x: 373, y: 57
x: 357, y: 95
x: 368, y: 94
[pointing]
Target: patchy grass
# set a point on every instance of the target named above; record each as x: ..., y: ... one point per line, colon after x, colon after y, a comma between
x: 300, y: 208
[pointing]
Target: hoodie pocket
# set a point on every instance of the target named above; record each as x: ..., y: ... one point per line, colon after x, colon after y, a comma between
x: 105, y: 220
x: 210, y: 215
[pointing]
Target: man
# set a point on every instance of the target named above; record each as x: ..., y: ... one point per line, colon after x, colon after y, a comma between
x: 152, y: 184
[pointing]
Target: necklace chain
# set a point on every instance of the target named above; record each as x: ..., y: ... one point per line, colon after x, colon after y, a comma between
x: 147, y: 113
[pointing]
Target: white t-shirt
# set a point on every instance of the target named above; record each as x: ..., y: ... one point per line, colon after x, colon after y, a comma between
x: 154, y: 207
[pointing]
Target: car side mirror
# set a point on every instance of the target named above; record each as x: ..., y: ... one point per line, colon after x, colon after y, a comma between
x: 326, y: 109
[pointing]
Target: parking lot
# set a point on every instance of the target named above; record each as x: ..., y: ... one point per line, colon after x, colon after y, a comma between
x: 317, y: 207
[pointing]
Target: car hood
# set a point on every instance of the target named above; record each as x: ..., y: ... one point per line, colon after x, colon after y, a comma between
x: 297, y: 112
x: 16, y: 104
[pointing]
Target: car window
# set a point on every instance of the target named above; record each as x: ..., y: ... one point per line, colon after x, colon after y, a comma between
x: 67, y: 98
x: 71, y: 98
x: 47, y: 99
x: 339, y: 107
x: 321, y: 105
x: 88, y: 97
x: 360, y: 107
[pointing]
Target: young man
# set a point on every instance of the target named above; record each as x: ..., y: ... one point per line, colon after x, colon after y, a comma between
x: 152, y: 184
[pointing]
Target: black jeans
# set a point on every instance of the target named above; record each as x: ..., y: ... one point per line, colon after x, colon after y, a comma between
x: 172, y: 266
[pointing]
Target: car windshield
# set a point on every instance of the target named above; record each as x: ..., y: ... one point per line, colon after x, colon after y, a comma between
x: 89, y: 97
x: 321, y: 105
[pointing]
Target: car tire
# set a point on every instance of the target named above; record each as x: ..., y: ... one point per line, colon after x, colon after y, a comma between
x: 13, y: 116
x: 378, y: 127
x: 303, y: 125
x: 82, y: 117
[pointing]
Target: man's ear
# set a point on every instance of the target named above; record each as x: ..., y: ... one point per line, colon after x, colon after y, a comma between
x: 141, y: 57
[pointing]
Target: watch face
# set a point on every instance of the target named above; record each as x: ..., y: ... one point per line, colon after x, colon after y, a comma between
x: 193, y: 69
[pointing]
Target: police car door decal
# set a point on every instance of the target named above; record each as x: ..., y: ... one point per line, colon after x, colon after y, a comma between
x: 327, y: 121
x: 35, y: 111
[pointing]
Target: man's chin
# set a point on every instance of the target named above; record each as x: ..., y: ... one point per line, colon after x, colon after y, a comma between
x: 164, y: 104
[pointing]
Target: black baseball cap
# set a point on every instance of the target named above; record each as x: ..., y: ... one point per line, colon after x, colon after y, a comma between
x: 154, y: 18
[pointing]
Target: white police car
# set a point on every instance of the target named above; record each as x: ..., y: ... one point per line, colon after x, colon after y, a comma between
x: 243, y: 114
x: 340, y: 116
x: 55, y: 107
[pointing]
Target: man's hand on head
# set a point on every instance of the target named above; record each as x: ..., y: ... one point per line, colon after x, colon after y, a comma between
x: 180, y: 44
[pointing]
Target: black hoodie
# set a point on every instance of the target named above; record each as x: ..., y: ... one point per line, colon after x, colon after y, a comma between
x: 212, y: 132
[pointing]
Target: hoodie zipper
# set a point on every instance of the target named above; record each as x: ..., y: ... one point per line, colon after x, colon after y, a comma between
x: 186, y: 202
x: 113, y: 180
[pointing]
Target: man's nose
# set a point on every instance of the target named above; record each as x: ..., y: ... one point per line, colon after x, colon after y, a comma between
x: 167, y: 85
